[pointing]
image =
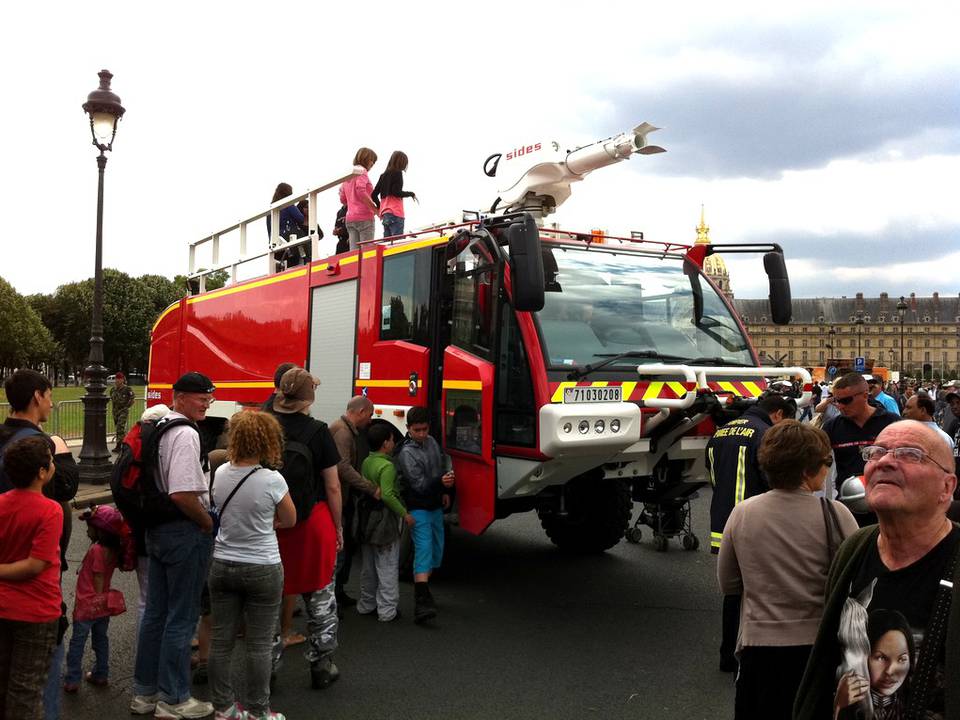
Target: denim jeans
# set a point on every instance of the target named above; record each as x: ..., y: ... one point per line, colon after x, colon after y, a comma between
x: 392, y: 225
x: 179, y: 558
x: 243, y: 592
x: 359, y: 231
x: 25, y: 652
x: 53, y: 690
x: 101, y: 649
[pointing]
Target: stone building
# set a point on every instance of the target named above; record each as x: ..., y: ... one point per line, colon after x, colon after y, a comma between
x: 834, y: 331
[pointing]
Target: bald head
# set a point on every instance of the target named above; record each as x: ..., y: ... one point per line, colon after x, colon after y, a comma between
x: 899, y: 488
x: 359, y: 411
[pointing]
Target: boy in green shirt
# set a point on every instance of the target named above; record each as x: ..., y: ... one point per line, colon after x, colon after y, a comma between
x: 380, y: 539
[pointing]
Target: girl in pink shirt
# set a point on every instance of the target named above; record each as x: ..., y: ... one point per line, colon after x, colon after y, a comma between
x: 355, y: 193
x: 95, y: 601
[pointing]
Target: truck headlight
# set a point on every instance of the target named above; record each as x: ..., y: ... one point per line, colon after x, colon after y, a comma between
x: 600, y: 426
x: 567, y: 427
x: 615, y: 425
x: 584, y: 427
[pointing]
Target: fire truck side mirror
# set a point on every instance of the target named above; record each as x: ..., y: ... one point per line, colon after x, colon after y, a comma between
x: 780, y: 302
x: 526, y: 265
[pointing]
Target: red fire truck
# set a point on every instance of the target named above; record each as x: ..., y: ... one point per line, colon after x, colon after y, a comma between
x: 563, y: 369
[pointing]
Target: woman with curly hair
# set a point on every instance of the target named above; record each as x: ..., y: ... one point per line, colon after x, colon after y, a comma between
x: 246, y: 577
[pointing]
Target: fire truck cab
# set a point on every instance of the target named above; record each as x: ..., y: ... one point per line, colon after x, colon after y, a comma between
x: 562, y: 369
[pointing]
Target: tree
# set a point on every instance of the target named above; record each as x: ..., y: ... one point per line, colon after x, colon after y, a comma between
x: 24, y: 341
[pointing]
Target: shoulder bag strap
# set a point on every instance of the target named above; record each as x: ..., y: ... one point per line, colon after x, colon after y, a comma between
x: 233, y: 492
x: 833, y: 527
x: 933, y: 639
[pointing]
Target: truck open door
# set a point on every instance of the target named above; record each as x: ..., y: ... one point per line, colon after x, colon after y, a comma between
x: 468, y: 380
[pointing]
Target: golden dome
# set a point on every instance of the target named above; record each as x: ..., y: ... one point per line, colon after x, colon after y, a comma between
x: 713, y: 266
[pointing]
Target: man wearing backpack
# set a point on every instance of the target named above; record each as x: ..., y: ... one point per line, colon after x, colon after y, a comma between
x: 179, y: 544
x: 30, y: 395
x: 309, y: 549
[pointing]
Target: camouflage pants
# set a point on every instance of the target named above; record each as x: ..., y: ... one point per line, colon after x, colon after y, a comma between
x: 120, y: 423
x: 322, y: 626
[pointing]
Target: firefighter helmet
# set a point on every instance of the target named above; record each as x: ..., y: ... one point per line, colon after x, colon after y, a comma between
x: 854, y: 495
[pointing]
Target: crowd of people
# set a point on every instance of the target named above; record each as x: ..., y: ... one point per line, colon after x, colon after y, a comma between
x: 224, y: 533
x: 360, y: 203
x: 837, y: 543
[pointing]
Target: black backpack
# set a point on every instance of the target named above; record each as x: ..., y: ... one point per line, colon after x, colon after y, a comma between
x: 298, y: 471
x: 133, y: 483
x: 21, y: 433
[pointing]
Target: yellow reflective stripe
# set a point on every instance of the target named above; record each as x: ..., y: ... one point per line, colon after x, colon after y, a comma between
x: 396, y: 249
x: 678, y: 388
x: 753, y: 389
x: 715, y: 539
x: 386, y: 383
x: 247, y: 286
x: 558, y: 393
x: 653, y: 390
x: 741, y: 488
x: 628, y: 390
x: 728, y: 386
x: 462, y: 385
x: 713, y: 476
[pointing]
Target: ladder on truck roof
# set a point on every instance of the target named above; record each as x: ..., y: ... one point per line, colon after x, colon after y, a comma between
x: 275, y: 243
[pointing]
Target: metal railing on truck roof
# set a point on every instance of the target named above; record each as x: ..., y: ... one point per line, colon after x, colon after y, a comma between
x: 275, y: 245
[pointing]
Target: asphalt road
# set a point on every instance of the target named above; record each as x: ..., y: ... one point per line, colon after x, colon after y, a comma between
x: 524, y: 631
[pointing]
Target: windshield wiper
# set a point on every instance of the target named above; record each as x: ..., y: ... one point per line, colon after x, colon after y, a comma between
x: 715, y: 361
x: 612, y: 358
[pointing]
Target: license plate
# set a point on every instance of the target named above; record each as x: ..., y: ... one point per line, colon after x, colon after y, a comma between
x: 614, y: 393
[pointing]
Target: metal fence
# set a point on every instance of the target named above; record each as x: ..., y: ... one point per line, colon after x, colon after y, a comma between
x: 67, y: 417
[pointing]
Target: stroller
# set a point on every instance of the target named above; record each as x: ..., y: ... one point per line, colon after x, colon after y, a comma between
x: 666, y: 509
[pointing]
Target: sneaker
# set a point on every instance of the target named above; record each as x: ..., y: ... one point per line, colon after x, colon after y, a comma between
x: 189, y: 708
x: 268, y: 715
x: 424, y: 608
x: 234, y: 712
x: 323, y: 672
x: 396, y: 617
x: 144, y: 704
x: 71, y: 687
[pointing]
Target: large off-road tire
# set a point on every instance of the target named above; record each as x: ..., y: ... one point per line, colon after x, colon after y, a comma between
x: 598, y: 514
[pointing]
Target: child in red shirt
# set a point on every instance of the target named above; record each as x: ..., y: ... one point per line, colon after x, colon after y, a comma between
x: 95, y: 601
x: 30, y: 526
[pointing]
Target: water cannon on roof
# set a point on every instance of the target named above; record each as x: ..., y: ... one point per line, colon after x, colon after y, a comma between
x: 536, y: 178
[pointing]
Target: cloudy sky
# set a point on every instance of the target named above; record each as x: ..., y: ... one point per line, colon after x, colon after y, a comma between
x: 831, y: 128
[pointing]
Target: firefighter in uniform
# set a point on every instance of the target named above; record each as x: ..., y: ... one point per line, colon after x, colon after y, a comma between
x: 735, y: 475
x: 121, y: 398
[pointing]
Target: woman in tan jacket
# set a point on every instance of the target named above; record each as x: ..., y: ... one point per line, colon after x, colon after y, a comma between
x: 776, y: 551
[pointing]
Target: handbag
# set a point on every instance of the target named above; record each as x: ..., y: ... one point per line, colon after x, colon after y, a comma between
x: 832, y: 522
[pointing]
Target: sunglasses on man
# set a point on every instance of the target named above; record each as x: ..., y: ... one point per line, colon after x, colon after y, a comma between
x: 846, y: 400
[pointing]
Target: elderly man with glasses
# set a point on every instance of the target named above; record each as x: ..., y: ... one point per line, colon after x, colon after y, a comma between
x: 858, y: 425
x: 905, y: 567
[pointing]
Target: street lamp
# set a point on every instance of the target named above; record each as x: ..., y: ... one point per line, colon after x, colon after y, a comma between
x: 901, y: 311
x: 105, y: 111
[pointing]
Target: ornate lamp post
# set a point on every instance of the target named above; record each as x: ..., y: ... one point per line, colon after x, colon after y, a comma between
x: 832, y: 333
x: 901, y: 311
x: 105, y: 111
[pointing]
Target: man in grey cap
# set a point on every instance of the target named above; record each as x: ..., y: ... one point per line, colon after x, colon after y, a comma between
x: 179, y: 544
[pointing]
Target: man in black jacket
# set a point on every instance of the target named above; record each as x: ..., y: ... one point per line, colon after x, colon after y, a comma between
x: 735, y: 475
x: 30, y: 395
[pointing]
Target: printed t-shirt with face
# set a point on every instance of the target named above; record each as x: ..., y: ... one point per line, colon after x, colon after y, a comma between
x: 30, y: 526
x: 246, y: 526
x: 892, y: 602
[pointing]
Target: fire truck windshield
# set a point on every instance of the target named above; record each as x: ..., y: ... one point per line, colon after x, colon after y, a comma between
x: 602, y: 303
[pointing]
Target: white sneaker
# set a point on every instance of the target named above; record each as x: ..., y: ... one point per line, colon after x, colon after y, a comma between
x: 143, y: 704
x: 190, y: 708
x: 234, y: 712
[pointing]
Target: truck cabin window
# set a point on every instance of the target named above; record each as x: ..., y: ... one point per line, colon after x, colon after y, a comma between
x: 405, y: 302
x: 473, y: 300
x: 602, y: 303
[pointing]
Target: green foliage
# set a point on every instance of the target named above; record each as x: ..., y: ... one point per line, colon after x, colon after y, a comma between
x: 23, y: 338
